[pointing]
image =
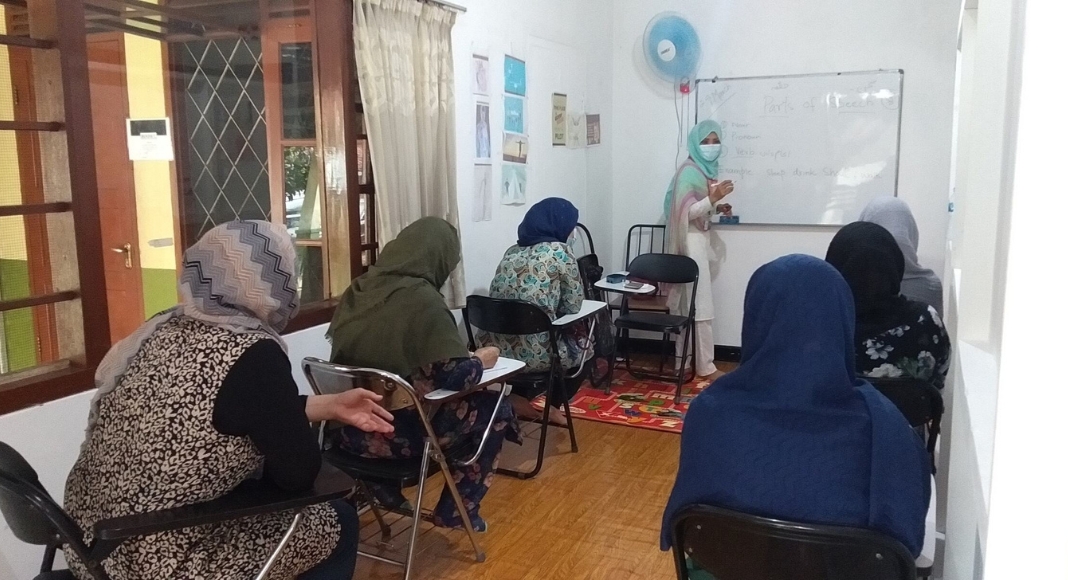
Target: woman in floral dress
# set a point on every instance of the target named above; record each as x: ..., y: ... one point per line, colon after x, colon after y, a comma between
x: 895, y: 337
x: 541, y: 269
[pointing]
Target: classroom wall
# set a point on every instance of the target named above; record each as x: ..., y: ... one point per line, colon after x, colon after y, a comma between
x: 566, y: 47
x: 62, y: 424
x: 770, y: 37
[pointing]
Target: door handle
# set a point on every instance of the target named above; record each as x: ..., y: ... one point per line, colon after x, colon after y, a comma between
x: 126, y: 249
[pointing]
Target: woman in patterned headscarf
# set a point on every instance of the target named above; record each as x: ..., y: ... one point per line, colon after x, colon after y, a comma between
x: 198, y: 400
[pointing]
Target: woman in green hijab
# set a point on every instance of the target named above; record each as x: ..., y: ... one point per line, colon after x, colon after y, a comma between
x: 691, y: 202
x: 394, y: 318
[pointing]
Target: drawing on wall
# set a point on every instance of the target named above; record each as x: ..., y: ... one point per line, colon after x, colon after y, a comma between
x: 576, y: 131
x: 593, y: 130
x: 513, y: 184
x: 515, y: 76
x: 515, y: 119
x: 483, y: 149
x: 480, y: 75
x: 559, y: 120
x: 515, y: 148
x: 483, y: 199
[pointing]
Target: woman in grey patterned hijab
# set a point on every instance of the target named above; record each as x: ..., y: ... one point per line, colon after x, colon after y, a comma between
x: 919, y: 283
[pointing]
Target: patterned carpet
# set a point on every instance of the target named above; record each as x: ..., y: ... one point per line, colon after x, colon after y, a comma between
x: 634, y: 403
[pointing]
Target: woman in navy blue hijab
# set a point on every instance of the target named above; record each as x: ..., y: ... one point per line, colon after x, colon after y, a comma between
x: 793, y: 433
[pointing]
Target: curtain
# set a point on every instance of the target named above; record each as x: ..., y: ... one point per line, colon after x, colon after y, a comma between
x: 405, y: 68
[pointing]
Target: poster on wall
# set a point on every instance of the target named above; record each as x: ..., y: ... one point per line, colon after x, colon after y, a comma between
x: 483, y: 147
x: 559, y: 120
x: 149, y: 139
x: 593, y: 130
x: 483, y: 189
x: 515, y: 76
x: 516, y: 148
x: 576, y: 131
x: 515, y: 118
x: 513, y: 184
x: 480, y: 75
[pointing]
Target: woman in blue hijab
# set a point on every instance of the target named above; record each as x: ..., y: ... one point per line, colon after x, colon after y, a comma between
x: 541, y: 269
x: 793, y: 433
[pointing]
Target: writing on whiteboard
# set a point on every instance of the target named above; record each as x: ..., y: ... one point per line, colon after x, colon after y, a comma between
x: 810, y: 149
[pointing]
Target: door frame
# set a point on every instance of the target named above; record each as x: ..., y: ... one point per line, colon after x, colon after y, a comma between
x: 135, y: 240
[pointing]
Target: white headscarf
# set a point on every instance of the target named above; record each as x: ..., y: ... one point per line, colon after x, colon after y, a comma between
x: 893, y: 214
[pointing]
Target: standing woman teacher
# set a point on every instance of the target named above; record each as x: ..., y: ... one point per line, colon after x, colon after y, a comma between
x: 692, y: 200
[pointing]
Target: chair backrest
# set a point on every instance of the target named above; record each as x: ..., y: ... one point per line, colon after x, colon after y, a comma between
x: 734, y: 546
x: 918, y: 400
x: 645, y: 239
x: 33, y: 516
x: 501, y: 316
x: 664, y: 268
x: 582, y: 240
x: 327, y: 378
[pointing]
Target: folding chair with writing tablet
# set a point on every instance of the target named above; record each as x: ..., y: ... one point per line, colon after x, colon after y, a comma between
x: 663, y: 269
x: 519, y: 318
x: 35, y: 518
x: 330, y: 378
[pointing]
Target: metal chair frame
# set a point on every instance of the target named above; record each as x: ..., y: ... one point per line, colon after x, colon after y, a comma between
x: 58, y: 529
x: 432, y: 450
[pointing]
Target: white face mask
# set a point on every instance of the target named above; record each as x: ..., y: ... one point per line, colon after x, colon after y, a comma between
x: 711, y: 151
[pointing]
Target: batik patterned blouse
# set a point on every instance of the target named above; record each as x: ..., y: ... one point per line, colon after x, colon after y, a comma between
x: 917, y: 349
x: 547, y: 275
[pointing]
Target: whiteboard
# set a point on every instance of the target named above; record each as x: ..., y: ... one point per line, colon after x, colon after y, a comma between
x: 806, y: 149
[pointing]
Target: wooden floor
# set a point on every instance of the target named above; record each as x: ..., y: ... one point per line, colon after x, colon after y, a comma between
x: 594, y: 514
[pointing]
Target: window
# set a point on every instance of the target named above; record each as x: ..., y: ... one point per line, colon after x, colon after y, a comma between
x: 264, y: 126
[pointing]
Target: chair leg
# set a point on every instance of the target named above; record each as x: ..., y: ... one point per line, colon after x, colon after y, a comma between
x: 541, y: 446
x: 682, y: 366
x: 281, y: 546
x: 480, y: 556
x: 664, y: 351
x: 612, y: 364
x: 417, y: 513
x: 387, y: 532
x: 570, y: 422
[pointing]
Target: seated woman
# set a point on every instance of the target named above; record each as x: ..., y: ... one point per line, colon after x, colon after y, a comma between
x: 792, y: 433
x: 896, y: 337
x: 919, y: 283
x: 541, y: 269
x: 393, y: 318
x: 196, y: 401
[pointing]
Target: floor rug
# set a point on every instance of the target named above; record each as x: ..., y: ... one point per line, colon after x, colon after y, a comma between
x: 634, y: 403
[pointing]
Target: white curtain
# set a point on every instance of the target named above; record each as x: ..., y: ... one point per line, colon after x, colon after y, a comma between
x: 404, y: 62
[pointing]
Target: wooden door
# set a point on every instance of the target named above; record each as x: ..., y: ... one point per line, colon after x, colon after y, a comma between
x: 115, y: 184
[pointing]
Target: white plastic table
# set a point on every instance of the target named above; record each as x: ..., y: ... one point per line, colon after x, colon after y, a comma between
x: 621, y: 287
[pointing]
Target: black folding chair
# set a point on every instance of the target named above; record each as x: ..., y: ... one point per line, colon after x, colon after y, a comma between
x: 920, y: 402
x: 591, y: 271
x: 730, y: 545
x: 518, y: 318
x: 644, y: 239
x: 662, y: 269
x: 330, y: 378
x: 35, y: 518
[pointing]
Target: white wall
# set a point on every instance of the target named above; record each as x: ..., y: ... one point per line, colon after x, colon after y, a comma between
x: 566, y: 47
x: 49, y: 436
x: 772, y: 37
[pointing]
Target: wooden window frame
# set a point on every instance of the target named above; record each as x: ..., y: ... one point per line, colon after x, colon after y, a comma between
x: 338, y: 130
x: 65, y: 21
